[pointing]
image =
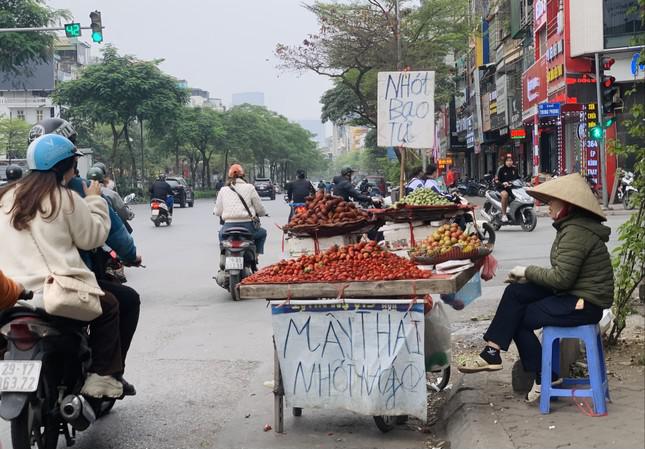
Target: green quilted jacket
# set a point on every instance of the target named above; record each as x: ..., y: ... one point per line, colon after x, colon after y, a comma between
x: 580, y: 261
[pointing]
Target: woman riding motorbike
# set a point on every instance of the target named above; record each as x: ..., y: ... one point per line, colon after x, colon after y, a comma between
x: 42, y: 226
x: 572, y: 292
x: 238, y: 203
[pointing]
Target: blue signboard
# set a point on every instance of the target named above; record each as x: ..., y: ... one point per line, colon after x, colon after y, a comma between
x: 548, y: 110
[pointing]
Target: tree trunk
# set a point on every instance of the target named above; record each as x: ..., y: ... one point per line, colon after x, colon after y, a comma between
x: 133, y: 158
x: 203, y: 153
x: 225, y: 170
x: 177, y: 159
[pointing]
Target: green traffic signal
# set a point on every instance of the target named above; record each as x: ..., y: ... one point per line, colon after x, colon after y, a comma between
x: 608, y: 122
x: 97, y: 36
x: 97, y: 26
x: 596, y: 133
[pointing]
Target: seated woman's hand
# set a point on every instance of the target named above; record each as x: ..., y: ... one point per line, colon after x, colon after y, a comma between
x: 517, y: 275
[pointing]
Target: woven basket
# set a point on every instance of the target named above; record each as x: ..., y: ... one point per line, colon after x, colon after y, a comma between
x: 456, y: 253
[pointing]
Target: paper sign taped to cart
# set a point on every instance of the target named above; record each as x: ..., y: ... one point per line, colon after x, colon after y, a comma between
x: 365, y: 358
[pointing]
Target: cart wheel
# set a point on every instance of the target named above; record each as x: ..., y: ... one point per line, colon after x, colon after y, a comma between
x: 297, y: 411
x: 386, y: 423
x: 438, y: 380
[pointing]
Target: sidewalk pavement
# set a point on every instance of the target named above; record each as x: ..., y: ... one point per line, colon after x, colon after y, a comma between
x: 484, y: 412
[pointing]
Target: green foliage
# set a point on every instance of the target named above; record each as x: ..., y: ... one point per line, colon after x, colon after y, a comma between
x: 356, y: 40
x: 17, y: 50
x: 629, y: 256
x: 13, y: 137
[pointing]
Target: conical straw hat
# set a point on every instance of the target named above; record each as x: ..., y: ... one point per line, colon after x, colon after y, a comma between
x: 571, y: 188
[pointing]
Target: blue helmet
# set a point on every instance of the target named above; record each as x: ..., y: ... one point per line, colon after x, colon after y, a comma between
x: 48, y: 150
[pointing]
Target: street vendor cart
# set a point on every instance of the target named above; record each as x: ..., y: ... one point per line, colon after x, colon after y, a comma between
x: 361, y: 349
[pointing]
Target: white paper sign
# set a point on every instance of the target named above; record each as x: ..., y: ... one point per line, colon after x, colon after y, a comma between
x: 365, y: 358
x: 406, y: 109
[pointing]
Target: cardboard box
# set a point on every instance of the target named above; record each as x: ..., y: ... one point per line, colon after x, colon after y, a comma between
x: 298, y: 246
x: 398, y: 236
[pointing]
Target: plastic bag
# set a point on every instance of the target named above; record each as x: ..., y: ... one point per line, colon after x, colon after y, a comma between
x: 437, y: 338
x: 468, y: 293
x: 489, y: 268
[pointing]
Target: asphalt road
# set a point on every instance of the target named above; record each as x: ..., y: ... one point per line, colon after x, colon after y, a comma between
x: 199, y: 360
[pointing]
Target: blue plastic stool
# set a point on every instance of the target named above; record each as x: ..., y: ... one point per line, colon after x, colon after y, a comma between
x: 597, y: 379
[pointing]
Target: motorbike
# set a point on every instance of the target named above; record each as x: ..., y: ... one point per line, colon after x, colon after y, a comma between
x: 471, y: 187
x: 41, y: 377
x: 159, y: 212
x: 520, y: 211
x: 626, y: 190
x: 237, y: 259
x: 595, y: 187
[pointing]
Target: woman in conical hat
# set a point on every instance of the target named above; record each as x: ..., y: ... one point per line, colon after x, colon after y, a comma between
x: 573, y: 291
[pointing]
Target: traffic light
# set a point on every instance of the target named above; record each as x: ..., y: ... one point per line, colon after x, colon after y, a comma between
x: 608, y: 89
x: 596, y: 133
x: 97, y: 27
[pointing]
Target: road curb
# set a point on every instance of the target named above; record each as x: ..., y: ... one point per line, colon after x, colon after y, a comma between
x: 469, y: 418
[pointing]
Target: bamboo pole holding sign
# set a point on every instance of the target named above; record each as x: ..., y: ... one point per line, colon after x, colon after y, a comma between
x: 403, y: 152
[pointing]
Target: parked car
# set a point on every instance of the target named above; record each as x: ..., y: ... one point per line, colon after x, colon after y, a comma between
x: 265, y: 187
x: 182, y: 191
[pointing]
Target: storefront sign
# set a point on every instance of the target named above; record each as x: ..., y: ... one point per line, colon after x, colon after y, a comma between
x: 557, y: 48
x: 591, y: 115
x: 486, y: 112
x: 549, y: 110
x: 592, y: 164
x: 539, y: 8
x: 500, y: 87
x: 534, y: 85
x: 555, y: 72
x: 406, y: 109
x: 518, y: 133
x: 365, y: 358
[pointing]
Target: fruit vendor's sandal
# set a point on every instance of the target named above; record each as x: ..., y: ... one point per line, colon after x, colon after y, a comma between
x: 477, y: 365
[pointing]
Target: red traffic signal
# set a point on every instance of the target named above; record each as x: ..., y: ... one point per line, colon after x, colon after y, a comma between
x: 607, y: 63
x: 608, y: 81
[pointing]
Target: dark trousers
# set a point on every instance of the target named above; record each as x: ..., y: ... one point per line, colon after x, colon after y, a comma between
x: 105, y: 340
x: 527, y: 307
x: 129, y: 306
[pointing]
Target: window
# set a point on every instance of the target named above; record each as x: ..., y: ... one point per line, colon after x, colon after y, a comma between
x: 39, y: 115
x: 621, y: 23
x: 20, y: 114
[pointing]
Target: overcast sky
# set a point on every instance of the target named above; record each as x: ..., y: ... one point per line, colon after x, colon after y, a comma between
x: 223, y: 46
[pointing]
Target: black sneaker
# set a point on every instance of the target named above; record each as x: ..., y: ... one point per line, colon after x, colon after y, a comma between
x: 128, y: 388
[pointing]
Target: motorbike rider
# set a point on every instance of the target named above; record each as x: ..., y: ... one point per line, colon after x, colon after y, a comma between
x: 299, y: 189
x: 232, y: 203
x: 119, y: 240
x: 506, y: 174
x: 160, y: 189
x: 42, y: 225
x: 98, y: 172
x: 13, y: 173
x: 343, y: 187
x: 10, y: 292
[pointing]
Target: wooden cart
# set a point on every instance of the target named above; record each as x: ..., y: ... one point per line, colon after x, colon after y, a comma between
x: 364, y: 292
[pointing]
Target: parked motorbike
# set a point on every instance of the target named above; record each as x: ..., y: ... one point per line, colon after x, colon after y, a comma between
x: 520, y: 211
x: 159, y: 212
x: 471, y: 187
x: 41, y: 377
x: 237, y: 259
x: 595, y: 187
x: 626, y: 190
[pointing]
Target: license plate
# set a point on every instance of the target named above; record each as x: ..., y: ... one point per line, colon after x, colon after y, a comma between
x: 155, y: 212
x: 234, y: 263
x: 19, y: 375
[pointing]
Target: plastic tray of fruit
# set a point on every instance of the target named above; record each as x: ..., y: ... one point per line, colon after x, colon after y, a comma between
x: 407, y: 212
x: 330, y: 230
x: 449, y: 242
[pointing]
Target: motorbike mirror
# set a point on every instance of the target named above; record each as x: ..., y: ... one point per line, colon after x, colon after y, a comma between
x: 129, y: 198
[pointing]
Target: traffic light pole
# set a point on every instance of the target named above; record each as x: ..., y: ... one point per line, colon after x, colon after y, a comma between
x: 23, y: 30
x: 601, y: 142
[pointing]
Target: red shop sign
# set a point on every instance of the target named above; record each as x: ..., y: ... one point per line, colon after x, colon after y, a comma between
x: 518, y: 133
x: 534, y: 84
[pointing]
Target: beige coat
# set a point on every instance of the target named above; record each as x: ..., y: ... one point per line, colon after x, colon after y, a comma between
x: 79, y: 224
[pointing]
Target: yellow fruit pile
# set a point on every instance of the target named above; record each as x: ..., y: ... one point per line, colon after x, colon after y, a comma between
x: 446, y: 238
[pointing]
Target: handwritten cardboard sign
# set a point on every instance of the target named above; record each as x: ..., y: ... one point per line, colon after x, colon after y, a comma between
x: 365, y: 358
x: 406, y: 109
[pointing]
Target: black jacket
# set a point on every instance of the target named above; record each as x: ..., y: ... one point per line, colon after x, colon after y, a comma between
x: 506, y: 174
x: 299, y: 189
x: 345, y: 189
x: 160, y: 189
